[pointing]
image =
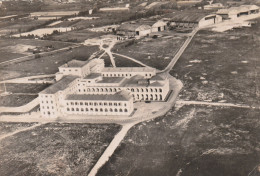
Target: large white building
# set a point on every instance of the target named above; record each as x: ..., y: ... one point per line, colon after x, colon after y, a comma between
x: 236, y: 12
x: 89, y: 88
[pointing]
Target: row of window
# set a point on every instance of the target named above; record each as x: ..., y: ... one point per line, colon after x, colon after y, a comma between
x: 97, y: 110
x: 121, y: 75
x: 47, y: 107
x: 48, y: 102
x: 48, y: 113
x: 96, y: 104
x: 100, y: 90
x: 146, y: 97
x: 145, y: 90
x: 118, y: 89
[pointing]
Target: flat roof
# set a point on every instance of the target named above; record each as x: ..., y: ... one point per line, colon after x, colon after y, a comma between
x: 60, y: 85
x: 111, y: 80
x: 93, y: 76
x: 159, y: 77
x: 128, y: 69
x: 156, y: 84
x: 136, y: 81
x: 119, y: 96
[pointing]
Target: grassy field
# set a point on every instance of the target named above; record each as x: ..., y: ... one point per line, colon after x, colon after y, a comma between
x: 193, y: 140
x: 55, y: 149
x: 222, y: 66
x: 120, y: 61
x: 153, y: 52
x: 9, y: 127
x: 14, y: 48
x: 14, y: 100
x: 77, y: 35
x: 23, y: 88
x: 46, y: 65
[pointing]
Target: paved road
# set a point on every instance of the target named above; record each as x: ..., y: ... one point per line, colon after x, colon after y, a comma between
x: 110, y: 149
x: 180, y: 52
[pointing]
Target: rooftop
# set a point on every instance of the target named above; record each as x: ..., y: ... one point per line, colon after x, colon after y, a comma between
x: 75, y: 63
x: 186, y: 16
x: 242, y: 8
x: 60, y: 85
x: 137, y: 81
x: 133, y: 27
x: 111, y: 80
x: 93, y: 76
x: 119, y: 96
x: 128, y: 69
x: 159, y: 77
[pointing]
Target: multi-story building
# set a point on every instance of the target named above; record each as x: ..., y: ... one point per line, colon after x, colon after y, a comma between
x: 89, y: 88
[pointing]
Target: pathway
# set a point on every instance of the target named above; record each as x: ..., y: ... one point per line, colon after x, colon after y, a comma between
x: 110, y: 149
x: 108, y: 50
x: 132, y: 59
x: 21, y: 130
x: 183, y: 102
x: 180, y: 51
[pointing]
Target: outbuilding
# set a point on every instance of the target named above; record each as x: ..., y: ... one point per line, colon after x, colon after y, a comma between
x: 129, y: 30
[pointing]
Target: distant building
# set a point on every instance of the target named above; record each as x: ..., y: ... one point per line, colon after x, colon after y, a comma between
x: 236, y: 12
x: 88, y: 88
x: 111, y: 9
x: 129, y: 30
x: 187, y: 19
x: 214, y: 6
x: 157, y: 26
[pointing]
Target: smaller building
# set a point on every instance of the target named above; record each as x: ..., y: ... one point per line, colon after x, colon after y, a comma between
x: 113, y: 9
x: 157, y: 25
x: 129, y: 30
x: 80, y: 68
x: 214, y: 6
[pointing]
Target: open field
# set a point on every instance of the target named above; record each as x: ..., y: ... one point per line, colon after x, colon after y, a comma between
x: 47, y: 64
x: 222, y: 67
x: 120, y: 61
x: 14, y: 48
x: 16, y: 100
x: 20, y: 26
x: 77, y: 36
x: 23, y: 88
x: 193, y: 140
x: 156, y: 52
x: 55, y: 149
x: 9, y: 127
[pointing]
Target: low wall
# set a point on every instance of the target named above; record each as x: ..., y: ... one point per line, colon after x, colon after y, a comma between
x: 22, y: 109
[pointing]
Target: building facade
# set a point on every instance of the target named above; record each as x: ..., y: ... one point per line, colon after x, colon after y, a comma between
x: 89, y: 88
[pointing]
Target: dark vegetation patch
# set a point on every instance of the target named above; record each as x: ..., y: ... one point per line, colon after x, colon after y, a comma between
x: 222, y: 66
x: 194, y: 140
x: 23, y: 88
x: 46, y: 64
x: 55, y: 149
x: 14, y: 100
